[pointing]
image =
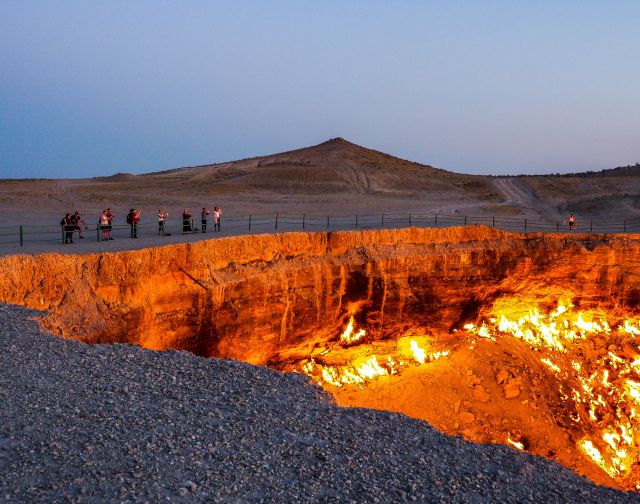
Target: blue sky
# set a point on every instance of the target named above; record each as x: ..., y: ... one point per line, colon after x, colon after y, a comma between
x: 493, y: 87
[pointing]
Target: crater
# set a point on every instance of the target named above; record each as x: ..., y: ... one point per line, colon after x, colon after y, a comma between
x: 527, y: 340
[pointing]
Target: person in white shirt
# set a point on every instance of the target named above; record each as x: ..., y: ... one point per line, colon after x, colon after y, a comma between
x: 217, y: 213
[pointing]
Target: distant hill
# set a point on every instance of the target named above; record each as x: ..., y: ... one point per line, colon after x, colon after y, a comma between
x: 620, y: 171
x: 335, y: 177
x: 336, y: 166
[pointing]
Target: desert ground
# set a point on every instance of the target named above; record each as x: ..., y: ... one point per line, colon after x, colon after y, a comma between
x: 334, y: 178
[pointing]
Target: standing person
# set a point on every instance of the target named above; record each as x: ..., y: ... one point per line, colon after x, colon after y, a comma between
x: 217, y: 213
x: 203, y: 220
x: 162, y: 215
x: 133, y: 218
x: 68, y: 227
x: 572, y: 222
x: 79, y: 224
x: 104, y: 225
x: 186, y: 221
x: 110, y: 218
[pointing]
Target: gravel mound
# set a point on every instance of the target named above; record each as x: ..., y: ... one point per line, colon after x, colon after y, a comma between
x: 116, y: 423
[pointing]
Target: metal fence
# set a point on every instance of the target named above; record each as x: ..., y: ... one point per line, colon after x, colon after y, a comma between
x: 25, y: 235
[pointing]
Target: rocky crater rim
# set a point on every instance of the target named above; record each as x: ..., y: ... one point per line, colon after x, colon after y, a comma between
x: 250, y: 297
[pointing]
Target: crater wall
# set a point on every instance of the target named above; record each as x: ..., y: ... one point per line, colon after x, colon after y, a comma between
x: 265, y: 298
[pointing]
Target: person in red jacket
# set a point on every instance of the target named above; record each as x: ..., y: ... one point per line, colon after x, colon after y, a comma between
x: 133, y: 219
x: 186, y: 221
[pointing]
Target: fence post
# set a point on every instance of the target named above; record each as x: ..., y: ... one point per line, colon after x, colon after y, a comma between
x: 304, y: 217
x: 327, y: 222
x: 410, y: 219
x: 591, y: 227
x: 525, y: 226
x: 624, y: 226
x: 493, y: 220
x: 63, y: 240
x: 382, y: 220
x: 435, y: 220
x: 21, y: 236
x: 356, y: 221
x: 276, y: 220
x: 465, y: 220
x: 249, y: 221
x: 98, y: 231
x: 557, y: 226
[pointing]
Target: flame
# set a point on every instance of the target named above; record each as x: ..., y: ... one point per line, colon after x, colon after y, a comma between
x: 596, y: 357
x: 515, y: 444
x: 362, y: 370
x: 418, y: 353
x: 630, y: 328
x: 589, y: 449
x: 550, y: 364
x: 348, y: 335
x: 355, y: 373
x: 605, y: 387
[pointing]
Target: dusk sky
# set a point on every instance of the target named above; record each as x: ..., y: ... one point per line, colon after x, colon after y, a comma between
x: 489, y: 87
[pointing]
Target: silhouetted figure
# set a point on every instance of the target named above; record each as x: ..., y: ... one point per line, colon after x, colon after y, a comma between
x: 203, y: 220
x: 68, y: 227
x: 572, y: 222
x: 162, y: 215
x: 104, y: 225
x: 186, y: 221
x: 110, y: 218
x: 79, y: 224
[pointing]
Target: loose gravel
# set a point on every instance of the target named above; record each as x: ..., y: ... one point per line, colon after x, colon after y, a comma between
x: 117, y: 423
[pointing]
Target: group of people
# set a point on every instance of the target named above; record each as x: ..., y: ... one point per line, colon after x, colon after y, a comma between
x: 187, y: 220
x: 70, y: 223
x: 73, y: 222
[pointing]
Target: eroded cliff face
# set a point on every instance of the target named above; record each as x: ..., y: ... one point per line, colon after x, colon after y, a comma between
x: 254, y: 297
x: 284, y: 300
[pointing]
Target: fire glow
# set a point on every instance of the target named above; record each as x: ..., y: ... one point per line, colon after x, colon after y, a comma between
x: 362, y: 370
x: 602, y: 387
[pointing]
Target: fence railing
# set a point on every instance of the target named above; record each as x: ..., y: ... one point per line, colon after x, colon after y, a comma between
x: 25, y: 235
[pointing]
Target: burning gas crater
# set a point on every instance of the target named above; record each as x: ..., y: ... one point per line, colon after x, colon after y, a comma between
x: 590, y: 360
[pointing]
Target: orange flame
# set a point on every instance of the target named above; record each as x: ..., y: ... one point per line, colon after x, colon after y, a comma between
x: 348, y: 336
x: 606, y: 387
